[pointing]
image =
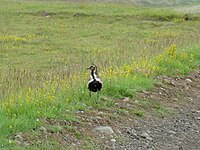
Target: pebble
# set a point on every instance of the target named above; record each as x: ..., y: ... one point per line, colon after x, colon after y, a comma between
x: 80, y: 112
x: 97, y: 117
x: 18, y: 137
x: 172, y: 83
x: 43, y: 129
x: 136, y: 101
x: 104, y: 98
x: 113, y: 140
x: 188, y: 80
x: 18, y: 142
x: 146, y: 136
x: 166, y: 81
x: 171, y: 132
x: 126, y: 99
x: 26, y: 144
x: 104, y: 129
x: 187, y: 88
x: 99, y: 113
x: 149, y: 138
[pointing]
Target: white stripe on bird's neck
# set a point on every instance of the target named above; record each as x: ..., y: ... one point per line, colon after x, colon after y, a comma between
x: 93, y: 76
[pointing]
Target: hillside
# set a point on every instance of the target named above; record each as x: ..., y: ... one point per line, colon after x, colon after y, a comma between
x: 146, y: 58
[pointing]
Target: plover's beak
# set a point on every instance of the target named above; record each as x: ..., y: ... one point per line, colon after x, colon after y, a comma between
x: 88, y: 68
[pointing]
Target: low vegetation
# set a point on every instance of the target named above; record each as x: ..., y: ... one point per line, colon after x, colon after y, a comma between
x: 46, y: 47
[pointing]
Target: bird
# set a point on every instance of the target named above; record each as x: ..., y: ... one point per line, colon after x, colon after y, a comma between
x: 94, y: 84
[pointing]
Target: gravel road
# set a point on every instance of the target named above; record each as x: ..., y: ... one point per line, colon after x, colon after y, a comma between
x: 180, y: 131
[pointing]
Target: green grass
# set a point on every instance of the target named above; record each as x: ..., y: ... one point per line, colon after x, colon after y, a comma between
x: 45, y: 47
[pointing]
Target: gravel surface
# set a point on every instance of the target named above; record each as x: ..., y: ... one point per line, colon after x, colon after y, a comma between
x: 180, y: 131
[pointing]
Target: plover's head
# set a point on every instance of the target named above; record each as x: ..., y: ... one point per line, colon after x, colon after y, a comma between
x: 92, y: 67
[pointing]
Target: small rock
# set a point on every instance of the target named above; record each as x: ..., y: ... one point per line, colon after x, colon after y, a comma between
x: 187, y: 88
x: 73, y: 144
x: 113, y: 140
x: 26, y: 144
x: 172, y: 83
x: 104, y: 129
x: 119, y: 132
x: 104, y: 98
x: 96, y: 118
x: 198, y: 118
x: 126, y: 99
x: 166, y: 81
x: 18, y: 142
x: 198, y: 111
x: 188, y: 80
x: 175, y: 99
x: 193, y: 111
x: 151, y: 147
x: 43, y: 129
x: 99, y: 113
x: 189, y: 98
x: 149, y: 138
x: 80, y: 112
x: 65, y: 138
x: 181, y: 147
x: 145, y: 92
x: 146, y: 136
x: 171, y: 132
x: 162, y: 89
x: 18, y: 137
x: 136, y: 101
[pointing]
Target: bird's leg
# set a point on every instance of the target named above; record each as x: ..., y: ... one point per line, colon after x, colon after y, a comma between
x: 97, y: 96
x: 90, y: 93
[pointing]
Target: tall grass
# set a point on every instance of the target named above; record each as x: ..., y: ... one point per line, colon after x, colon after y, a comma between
x: 59, y: 38
x: 61, y: 97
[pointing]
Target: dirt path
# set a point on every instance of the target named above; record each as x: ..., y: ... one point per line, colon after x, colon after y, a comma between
x: 180, y: 131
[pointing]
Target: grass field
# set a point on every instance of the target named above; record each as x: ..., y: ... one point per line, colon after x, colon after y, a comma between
x: 46, y: 46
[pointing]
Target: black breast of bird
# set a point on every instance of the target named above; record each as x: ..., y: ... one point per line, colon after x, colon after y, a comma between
x: 94, y: 85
